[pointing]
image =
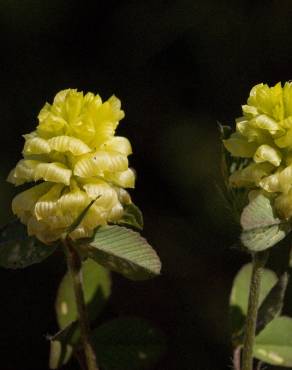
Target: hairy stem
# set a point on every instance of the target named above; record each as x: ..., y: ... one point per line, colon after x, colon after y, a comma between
x: 259, y: 260
x: 75, y: 267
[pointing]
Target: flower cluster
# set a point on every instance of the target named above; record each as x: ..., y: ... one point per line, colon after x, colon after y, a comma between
x: 76, y: 160
x: 264, y: 135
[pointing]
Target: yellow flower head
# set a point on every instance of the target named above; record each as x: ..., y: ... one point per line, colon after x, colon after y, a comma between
x: 75, y: 156
x: 264, y: 135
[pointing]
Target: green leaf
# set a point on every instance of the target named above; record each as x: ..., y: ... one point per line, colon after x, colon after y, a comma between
x: 239, y: 297
x: 132, y: 217
x: 124, y: 251
x: 61, y: 346
x: 18, y: 250
x: 272, y: 305
x: 128, y: 344
x: 97, y: 289
x: 274, y: 344
x: 263, y: 238
x: 262, y: 229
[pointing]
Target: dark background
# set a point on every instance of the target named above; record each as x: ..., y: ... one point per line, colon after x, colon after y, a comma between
x: 178, y: 66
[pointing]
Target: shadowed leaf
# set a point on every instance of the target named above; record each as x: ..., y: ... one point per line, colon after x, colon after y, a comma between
x: 128, y: 344
x: 18, y: 250
x: 272, y: 305
x: 132, y: 217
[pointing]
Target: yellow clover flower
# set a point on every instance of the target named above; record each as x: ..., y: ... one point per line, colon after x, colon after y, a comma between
x: 75, y: 156
x: 264, y: 135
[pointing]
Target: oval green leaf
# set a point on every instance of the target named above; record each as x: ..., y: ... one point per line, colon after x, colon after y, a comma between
x: 97, y: 289
x: 128, y: 344
x: 124, y: 251
x: 18, y: 250
x: 274, y: 344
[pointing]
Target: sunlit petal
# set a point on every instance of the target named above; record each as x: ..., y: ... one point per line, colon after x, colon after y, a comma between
x: 265, y: 153
x: 68, y: 144
x: 54, y: 172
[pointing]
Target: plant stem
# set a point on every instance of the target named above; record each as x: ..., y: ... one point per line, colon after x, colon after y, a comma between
x: 75, y: 267
x: 259, y: 260
x: 236, y: 358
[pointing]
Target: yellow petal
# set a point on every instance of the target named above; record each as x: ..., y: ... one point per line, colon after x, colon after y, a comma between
x: 73, y: 104
x: 123, y: 196
x: 118, y: 144
x: 283, y: 205
x: 99, y: 162
x: 238, y: 146
x: 23, y: 172
x: 268, y: 100
x: 285, y: 140
x: 116, y: 212
x: 249, y: 111
x: 36, y: 145
x: 125, y: 179
x: 81, y: 232
x: 266, y: 123
x: 287, y: 97
x: 250, y: 175
x: 47, y: 205
x: 54, y: 172
x: 26, y: 200
x: 104, y: 194
x: 285, y: 179
x: 43, y: 231
x: 52, y: 126
x: 115, y: 104
x: 266, y: 153
x: 60, y: 97
x: 73, y: 202
x: 68, y: 144
x: 271, y: 183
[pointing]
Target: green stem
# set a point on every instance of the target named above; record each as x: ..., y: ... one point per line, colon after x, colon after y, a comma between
x: 259, y: 260
x: 75, y: 267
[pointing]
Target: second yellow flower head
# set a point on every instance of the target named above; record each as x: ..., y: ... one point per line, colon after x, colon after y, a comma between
x: 264, y: 136
x: 77, y: 158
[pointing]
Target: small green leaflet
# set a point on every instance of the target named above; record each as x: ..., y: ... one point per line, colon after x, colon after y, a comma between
x: 262, y: 229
